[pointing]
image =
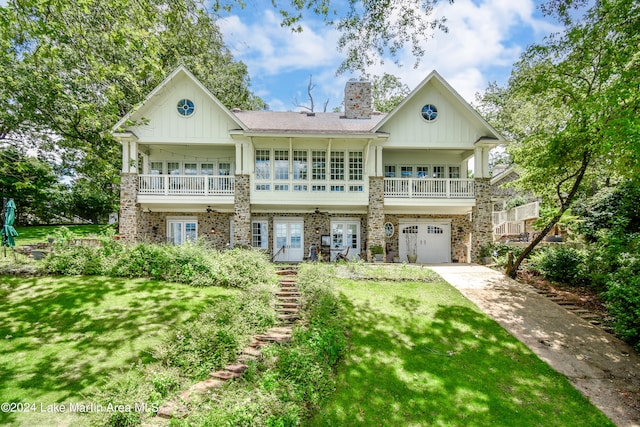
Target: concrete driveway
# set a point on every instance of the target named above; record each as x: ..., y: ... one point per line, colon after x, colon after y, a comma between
x: 602, y: 367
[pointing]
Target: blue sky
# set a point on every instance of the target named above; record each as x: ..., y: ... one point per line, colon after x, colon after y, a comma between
x: 485, y: 38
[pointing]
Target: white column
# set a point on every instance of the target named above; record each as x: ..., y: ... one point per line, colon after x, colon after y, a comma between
x: 125, y: 156
x: 133, y: 160
x: 239, y: 162
x: 481, y: 162
x: 379, y: 169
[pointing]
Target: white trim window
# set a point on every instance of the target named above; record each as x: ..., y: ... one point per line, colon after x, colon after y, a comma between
x: 260, y: 234
x: 181, y: 229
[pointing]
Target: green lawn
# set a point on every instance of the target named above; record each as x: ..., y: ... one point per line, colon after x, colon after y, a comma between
x: 60, y: 337
x: 421, y: 354
x: 40, y: 233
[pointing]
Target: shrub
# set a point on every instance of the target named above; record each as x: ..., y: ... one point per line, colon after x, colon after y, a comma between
x: 562, y: 264
x: 216, y: 337
x: 190, y: 263
x: 623, y: 298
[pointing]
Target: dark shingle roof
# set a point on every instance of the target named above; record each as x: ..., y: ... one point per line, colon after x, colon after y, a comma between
x: 291, y: 122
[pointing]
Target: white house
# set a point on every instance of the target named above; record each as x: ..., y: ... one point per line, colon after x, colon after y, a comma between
x: 283, y: 181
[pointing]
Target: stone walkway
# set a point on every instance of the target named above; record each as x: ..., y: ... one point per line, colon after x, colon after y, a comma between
x: 287, y: 309
x: 600, y: 366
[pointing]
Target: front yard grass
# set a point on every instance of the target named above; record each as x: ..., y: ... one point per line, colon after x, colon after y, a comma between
x: 61, y: 337
x: 422, y: 354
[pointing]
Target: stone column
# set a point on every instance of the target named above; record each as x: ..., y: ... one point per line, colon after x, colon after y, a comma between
x: 242, y: 217
x: 129, y: 206
x: 375, y: 216
x: 482, y: 227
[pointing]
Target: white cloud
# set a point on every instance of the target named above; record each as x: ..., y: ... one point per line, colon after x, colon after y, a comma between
x: 268, y: 48
x: 485, y: 38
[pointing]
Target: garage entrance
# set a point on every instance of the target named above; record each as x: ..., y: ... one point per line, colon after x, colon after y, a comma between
x: 429, y: 240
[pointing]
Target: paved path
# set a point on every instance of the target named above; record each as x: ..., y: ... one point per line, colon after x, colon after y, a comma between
x: 602, y: 367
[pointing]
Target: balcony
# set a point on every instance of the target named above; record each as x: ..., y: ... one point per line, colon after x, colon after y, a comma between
x: 425, y: 188
x: 186, y: 185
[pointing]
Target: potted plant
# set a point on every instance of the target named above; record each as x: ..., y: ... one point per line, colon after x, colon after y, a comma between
x: 485, y: 255
x: 378, y: 252
x: 411, y: 235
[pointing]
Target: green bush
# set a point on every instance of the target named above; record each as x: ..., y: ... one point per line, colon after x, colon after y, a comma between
x: 623, y: 298
x: 191, y: 263
x: 216, y: 337
x: 561, y: 264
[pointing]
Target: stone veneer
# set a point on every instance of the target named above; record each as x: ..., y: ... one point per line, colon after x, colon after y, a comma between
x: 242, y: 218
x: 358, y: 100
x: 129, y: 206
x: 153, y: 226
x: 375, y: 218
x: 481, y: 227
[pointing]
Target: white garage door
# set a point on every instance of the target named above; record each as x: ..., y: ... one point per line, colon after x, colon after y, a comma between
x: 431, y: 241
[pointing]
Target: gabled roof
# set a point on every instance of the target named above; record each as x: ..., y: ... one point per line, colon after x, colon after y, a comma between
x: 439, y: 81
x: 181, y: 69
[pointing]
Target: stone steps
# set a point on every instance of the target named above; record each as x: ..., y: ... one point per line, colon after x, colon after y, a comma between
x: 287, y: 314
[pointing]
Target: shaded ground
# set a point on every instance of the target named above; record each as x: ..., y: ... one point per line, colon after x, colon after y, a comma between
x: 599, y: 365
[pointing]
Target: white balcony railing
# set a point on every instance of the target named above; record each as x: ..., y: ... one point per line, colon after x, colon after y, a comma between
x: 508, y: 228
x: 186, y: 185
x: 424, y: 188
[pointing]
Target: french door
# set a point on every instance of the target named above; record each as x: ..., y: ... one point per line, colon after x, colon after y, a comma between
x: 288, y: 241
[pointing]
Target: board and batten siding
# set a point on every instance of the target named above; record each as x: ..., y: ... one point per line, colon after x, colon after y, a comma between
x: 455, y: 126
x: 209, y: 123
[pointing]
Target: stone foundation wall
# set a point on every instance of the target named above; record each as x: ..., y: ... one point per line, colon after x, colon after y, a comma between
x: 153, y: 226
x: 128, y: 221
x: 482, y: 228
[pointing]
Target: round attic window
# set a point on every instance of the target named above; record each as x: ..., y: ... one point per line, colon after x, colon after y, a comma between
x: 429, y: 112
x: 186, y: 107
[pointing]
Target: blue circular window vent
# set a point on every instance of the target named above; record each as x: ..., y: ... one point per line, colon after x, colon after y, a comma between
x: 429, y: 112
x: 186, y: 107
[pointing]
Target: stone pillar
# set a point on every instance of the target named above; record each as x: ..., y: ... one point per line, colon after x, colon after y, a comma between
x: 481, y: 227
x: 375, y: 216
x: 129, y: 206
x: 242, y: 217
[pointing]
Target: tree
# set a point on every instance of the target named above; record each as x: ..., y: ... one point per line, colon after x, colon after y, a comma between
x: 71, y: 69
x: 311, y: 106
x: 572, y: 106
x: 32, y: 183
x: 388, y: 91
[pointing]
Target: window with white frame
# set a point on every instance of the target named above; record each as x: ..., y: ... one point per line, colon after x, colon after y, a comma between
x: 300, y: 165
x: 281, y: 164
x: 181, y: 229
x: 224, y: 168
x: 422, y: 171
x: 454, y: 172
x: 438, y: 172
x: 406, y: 171
x: 191, y: 169
x: 390, y: 171
x: 173, y: 168
x: 319, y: 165
x: 157, y: 168
x: 356, y: 163
x: 263, y: 164
x: 337, y: 165
x: 260, y: 234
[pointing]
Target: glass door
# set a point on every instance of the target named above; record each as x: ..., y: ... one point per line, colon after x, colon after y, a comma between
x: 345, y: 238
x: 288, y: 240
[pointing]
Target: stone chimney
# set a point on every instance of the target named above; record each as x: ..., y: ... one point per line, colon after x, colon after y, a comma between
x: 357, y: 99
